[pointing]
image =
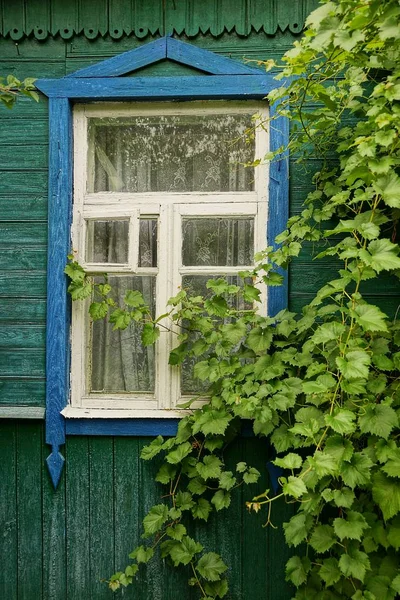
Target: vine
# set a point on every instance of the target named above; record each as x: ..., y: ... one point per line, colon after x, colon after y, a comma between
x: 322, y: 386
x: 11, y: 87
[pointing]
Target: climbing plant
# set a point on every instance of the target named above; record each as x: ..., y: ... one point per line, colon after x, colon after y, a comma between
x: 322, y: 386
x: 11, y: 87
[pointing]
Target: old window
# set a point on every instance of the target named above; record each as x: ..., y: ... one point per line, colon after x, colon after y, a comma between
x: 162, y: 200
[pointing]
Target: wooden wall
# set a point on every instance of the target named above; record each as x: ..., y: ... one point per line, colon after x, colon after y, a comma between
x: 58, y: 545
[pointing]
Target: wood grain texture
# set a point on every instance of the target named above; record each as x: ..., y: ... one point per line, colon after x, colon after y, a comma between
x: 22, y: 336
x: 24, y: 259
x: 60, y: 198
x: 22, y: 363
x: 22, y: 284
x: 19, y: 310
x: 127, y: 61
x: 31, y: 207
x: 189, y: 88
x: 278, y: 204
x: 8, y: 511
x: 29, y: 485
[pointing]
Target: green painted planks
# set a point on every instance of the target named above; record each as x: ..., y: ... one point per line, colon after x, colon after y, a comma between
x: 31, y: 207
x: 24, y: 259
x: 17, y: 310
x: 17, y: 131
x: 23, y: 234
x: 101, y: 502
x: 20, y: 182
x: 54, y: 536
x: 8, y: 511
x: 78, y: 518
x: 22, y: 363
x: 42, y: 68
x: 22, y: 392
x: 26, y: 157
x: 23, y: 284
x: 22, y: 336
x: 29, y: 445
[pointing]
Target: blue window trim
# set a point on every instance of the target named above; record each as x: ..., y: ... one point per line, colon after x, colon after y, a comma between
x: 225, y: 79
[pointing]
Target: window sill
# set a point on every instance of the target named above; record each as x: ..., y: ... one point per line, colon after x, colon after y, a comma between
x: 71, y: 412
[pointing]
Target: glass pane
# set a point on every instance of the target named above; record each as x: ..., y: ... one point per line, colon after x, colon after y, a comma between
x: 119, y: 361
x: 196, y: 285
x: 217, y: 242
x: 148, y: 243
x: 176, y: 153
x: 107, y: 241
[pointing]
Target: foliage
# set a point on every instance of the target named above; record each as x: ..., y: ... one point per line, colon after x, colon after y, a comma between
x: 10, y: 87
x: 322, y: 386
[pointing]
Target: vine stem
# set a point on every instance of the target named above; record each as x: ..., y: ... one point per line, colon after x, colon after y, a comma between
x: 198, y: 580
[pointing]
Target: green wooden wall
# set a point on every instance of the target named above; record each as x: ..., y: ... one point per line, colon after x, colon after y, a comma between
x: 58, y: 545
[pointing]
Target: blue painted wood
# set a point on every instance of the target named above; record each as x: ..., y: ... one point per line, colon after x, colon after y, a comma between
x: 278, y: 207
x: 58, y: 310
x: 204, y: 60
x: 158, y: 88
x: 130, y: 427
x: 127, y: 61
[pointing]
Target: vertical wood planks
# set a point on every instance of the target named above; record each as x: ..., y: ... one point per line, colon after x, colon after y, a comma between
x: 8, y: 511
x: 29, y: 484
x: 101, y: 515
x: 78, y: 518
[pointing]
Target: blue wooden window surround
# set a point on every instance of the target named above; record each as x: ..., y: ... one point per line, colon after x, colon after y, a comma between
x: 219, y: 78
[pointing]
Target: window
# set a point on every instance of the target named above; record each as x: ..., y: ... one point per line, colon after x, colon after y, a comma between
x: 148, y: 210
x: 162, y: 200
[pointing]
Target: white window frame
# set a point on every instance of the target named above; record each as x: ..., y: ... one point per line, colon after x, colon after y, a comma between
x: 170, y: 208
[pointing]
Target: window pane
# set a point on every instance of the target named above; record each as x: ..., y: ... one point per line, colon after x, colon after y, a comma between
x: 119, y: 361
x: 176, y: 153
x: 148, y: 243
x: 196, y: 285
x: 107, y: 241
x: 217, y: 242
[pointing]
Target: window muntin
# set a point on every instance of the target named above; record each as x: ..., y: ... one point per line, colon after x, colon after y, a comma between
x: 168, y: 238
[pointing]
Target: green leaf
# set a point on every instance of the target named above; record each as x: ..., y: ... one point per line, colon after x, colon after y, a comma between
x: 176, y: 532
x: 259, y: 339
x: 221, y: 499
x: 381, y: 255
x: 201, y: 509
x: 394, y: 533
x: 241, y: 467
x: 252, y: 475
x: 341, y: 421
x: 322, y: 538
x: 98, y: 310
x: 150, y: 334
x: 211, y: 566
x: 386, y: 493
x: 392, y: 467
x: 344, y: 497
x: 178, y: 454
x: 354, y: 365
x: 155, y: 519
x: 370, y: 317
x: 356, y: 471
x: 296, y: 570
x: 216, y: 588
x: 352, y: 527
x: 134, y: 299
x: 389, y: 188
x: 294, y: 486
x: 296, y: 530
x: 184, y: 500
x: 142, y: 554
x: 355, y: 565
x: 152, y: 449
x: 227, y: 480
x: 212, y: 422
x: 378, y: 419
x: 197, y: 486
x: 290, y: 461
x: 233, y: 332
x: 329, y: 571
x: 120, y: 318
x: 166, y: 473
x: 210, y: 468
x: 184, y: 551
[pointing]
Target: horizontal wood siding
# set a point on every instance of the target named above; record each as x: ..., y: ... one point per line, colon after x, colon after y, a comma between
x: 59, y: 545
